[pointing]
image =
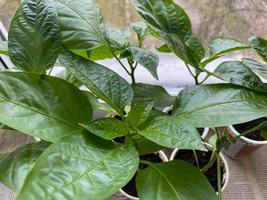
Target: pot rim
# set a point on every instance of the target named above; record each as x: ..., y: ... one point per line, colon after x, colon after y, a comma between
x: 226, y: 166
x: 233, y: 131
x: 163, y: 157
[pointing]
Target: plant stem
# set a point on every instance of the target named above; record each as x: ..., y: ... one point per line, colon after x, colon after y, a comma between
x: 188, y: 68
x: 219, y: 178
x: 211, y: 162
x: 132, y: 71
x: 263, y: 124
x: 204, y: 79
x: 196, y: 158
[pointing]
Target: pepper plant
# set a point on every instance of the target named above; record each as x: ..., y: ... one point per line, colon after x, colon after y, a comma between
x: 77, y: 157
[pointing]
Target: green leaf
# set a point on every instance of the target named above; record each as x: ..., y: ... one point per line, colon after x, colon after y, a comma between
x: 222, y: 45
x: 218, y: 105
x: 170, y: 22
x: 119, y: 39
x: 164, y: 49
x: 42, y: 106
x: 141, y: 30
x: 102, y: 81
x: 15, y: 167
x: 239, y: 74
x: 154, y: 92
x: 172, y: 132
x: 107, y: 128
x: 81, y: 24
x: 264, y: 132
x: 100, y: 53
x: 139, y: 113
x: 260, y: 46
x: 175, y: 180
x: 79, y: 167
x: 257, y: 67
x: 145, y: 146
x: 196, y: 49
x: 34, y: 36
x: 147, y: 59
x: 3, y: 48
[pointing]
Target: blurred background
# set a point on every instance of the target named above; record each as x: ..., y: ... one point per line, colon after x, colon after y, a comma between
x: 238, y: 19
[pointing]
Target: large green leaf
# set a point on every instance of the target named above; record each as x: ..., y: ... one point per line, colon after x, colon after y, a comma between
x: 175, y: 180
x: 107, y: 128
x: 237, y: 73
x: 219, y: 105
x: 145, y: 146
x: 34, y: 36
x: 15, y: 167
x: 222, y: 45
x: 3, y: 48
x: 147, y: 59
x: 42, y: 106
x: 155, y: 92
x: 102, y: 81
x: 80, y: 167
x: 257, y: 67
x: 172, y: 132
x: 260, y: 46
x: 170, y: 22
x: 140, y: 112
x: 81, y: 24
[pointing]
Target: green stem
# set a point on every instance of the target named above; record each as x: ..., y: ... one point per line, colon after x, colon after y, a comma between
x: 50, y: 71
x: 219, y: 177
x: 188, y: 68
x: 263, y: 124
x: 146, y: 162
x: 196, y: 158
x: 211, y: 162
x: 204, y: 79
x: 132, y: 71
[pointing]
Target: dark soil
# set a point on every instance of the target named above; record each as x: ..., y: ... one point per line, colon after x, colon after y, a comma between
x: 203, y: 159
x: 130, y: 188
x: 120, y: 139
x: 255, y: 135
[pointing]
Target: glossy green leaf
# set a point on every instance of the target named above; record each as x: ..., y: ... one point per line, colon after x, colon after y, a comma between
x: 164, y: 49
x: 102, y: 81
x: 107, y: 128
x: 140, y: 112
x: 237, y: 73
x: 145, y: 146
x: 218, y: 105
x: 34, y: 36
x: 175, y: 180
x: 81, y: 24
x: 42, y: 106
x: 154, y: 92
x: 3, y: 48
x: 79, y: 167
x: 222, y: 45
x: 15, y: 167
x: 260, y: 46
x: 147, y: 59
x: 172, y: 132
x: 170, y: 22
x: 196, y: 49
x: 257, y: 67
x: 100, y: 53
x: 119, y: 39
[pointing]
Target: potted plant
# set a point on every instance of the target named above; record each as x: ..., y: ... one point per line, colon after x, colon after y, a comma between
x: 77, y: 156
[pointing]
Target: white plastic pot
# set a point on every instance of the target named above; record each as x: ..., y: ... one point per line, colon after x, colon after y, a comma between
x: 223, y: 159
x: 241, y: 147
x: 163, y: 157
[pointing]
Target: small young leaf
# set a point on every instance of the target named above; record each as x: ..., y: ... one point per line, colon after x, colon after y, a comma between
x: 141, y: 29
x: 147, y: 59
x: 34, y: 36
x: 119, y: 39
x: 260, y: 46
x: 154, y: 92
x: 164, y: 49
x: 139, y: 113
x: 175, y: 180
x: 237, y: 73
x: 172, y: 132
x: 15, y: 167
x: 107, y: 128
x: 257, y: 67
x: 102, y: 81
x: 79, y: 167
